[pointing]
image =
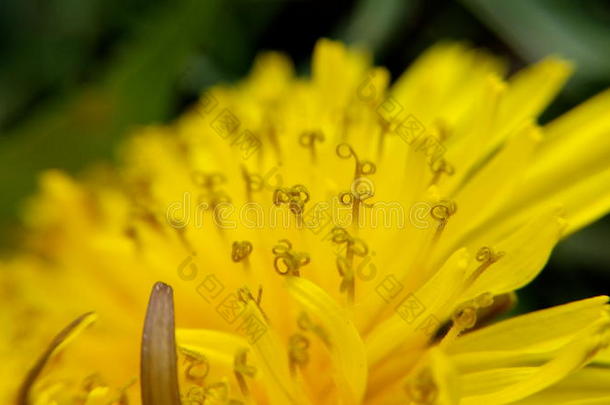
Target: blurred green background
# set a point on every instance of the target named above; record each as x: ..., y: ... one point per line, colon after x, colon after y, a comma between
x: 76, y: 75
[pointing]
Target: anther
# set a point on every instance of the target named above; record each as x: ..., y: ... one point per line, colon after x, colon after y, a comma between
x: 362, y: 188
x: 486, y: 256
x: 92, y: 381
x: 243, y: 370
x: 307, y: 325
x: 240, y: 250
x: 295, y: 197
x: 484, y: 300
x: 216, y: 393
x: 466, y: 316
x: 198, y: 366
x: 287, y: 261
x: 422, y: 389
x: 254, y: 182
x: 245, y: 296
x: 195, y: 395
x: 180, y: 228
x: 494, y: 306
x: 197, y: 371
x: 442, y: 212
x: 440, y: 166
x: 345, y: 264
x: 210, y: 183
x: 444, y: 130
x: 354, y: 245
x: 298, y: 353
x: 309, y: 139
x: 363, y: 168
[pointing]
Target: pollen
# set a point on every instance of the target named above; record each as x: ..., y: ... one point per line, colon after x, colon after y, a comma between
x: 287, y: 261
x: 240, y: 250
x: 294, y: 197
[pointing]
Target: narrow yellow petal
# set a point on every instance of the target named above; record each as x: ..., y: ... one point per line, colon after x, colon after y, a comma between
x: 569, y: 359
x: 495, y: 183
x: 57, y: 345
x: 346, y: 346
x: 540, y: 330
x: 271, y: 356
x: 524, y: 254
x: 589, y: 386
x: 215, y: 345
x: 531, y: 90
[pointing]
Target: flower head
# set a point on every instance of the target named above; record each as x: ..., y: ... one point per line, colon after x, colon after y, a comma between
x: 323, y: 240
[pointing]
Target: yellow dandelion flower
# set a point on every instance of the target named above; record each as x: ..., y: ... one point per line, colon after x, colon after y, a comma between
x: 332, y: 240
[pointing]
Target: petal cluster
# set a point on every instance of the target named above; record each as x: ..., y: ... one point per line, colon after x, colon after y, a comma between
x: 334, y: 239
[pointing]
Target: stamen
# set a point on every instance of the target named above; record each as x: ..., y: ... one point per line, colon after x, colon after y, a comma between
x: 384, y: 130
x: 486, y: 256
x: 466, y: 316
x: 345, y: 264
x: 195, y: 395
x: 198, y: 366
x: 180, y: 227
x: 208, y: 180
x: 123, y: 398
x: 307, y: 325
x: 438, y: 167
x: 295, y: 197
x: 254, y: 182
x: 241, y: 250
x: 422, y: 389
x: 363, y: 168
x: 484, y: 300
x: 244, y: 295
x: 242, y: 370
x: 211, y: 197
x: 309, y: 139
x: 83, y: 321
x: 362, y: 188
x: 298, y: 354
x: 501, y: 304
x: 92, y: 381
x: 217, y: 393
x: 287, y: 261
x: 442, y: 212
x: 158, y: 370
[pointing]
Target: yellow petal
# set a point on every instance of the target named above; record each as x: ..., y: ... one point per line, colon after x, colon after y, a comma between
x: 569, y: 359
x: 531, y: 90
x: 272, y: 358
x: 417, y: 312
x: 525, y: 252
x: 589, y: 386
x: 346, y: 346
x: 540, y: 330
x: 216, y: 346
x: 495, y: 183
